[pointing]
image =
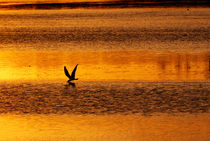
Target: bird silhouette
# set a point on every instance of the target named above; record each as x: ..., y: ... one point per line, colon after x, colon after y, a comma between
x: 72, y: 76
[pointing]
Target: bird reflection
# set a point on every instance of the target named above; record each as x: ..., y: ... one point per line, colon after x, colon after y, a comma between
x: 72, y: 84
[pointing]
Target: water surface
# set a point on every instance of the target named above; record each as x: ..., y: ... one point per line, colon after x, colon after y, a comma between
x: 108, y: 127
x: 122, y: 29
x: 136, y: 65
x: 144, y: 74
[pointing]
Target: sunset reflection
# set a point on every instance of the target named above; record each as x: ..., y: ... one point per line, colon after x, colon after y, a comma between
x: 102, y: 65
x: 90, y: 127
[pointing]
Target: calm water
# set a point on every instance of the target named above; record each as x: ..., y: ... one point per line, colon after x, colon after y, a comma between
x: 144, y: 74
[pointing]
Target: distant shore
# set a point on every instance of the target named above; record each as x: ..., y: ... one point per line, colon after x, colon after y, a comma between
x: 109, y: 4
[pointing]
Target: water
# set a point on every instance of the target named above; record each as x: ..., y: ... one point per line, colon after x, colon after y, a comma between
x: 105, y: 98
x: 143, y: 74
x: 129, y: 29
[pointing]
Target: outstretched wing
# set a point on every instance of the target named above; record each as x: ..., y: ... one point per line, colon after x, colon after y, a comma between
x: 73, y: 72
x: 66, y: 72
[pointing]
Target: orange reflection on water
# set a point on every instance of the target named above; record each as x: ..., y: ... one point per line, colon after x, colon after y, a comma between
x: 105, y: 127
x: 105, y: 65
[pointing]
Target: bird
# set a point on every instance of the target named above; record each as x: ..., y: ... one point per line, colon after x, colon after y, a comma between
x: 72, y: 76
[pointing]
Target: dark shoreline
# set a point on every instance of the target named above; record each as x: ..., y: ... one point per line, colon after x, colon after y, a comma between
x: 104, y: 5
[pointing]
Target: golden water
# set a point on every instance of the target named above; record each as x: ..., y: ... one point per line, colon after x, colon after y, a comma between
x: 106, y: 127
x: 144, y: 74
x: 103, y: 65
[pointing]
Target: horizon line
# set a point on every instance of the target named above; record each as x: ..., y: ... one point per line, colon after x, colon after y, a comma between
x: 104, y: 4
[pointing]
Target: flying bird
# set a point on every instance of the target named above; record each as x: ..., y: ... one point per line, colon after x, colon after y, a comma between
x: 72, y: 76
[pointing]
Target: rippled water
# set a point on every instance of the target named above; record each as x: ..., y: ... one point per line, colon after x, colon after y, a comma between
x: 131, y: 29
x: 105, y: 98
x: 144, y: 74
